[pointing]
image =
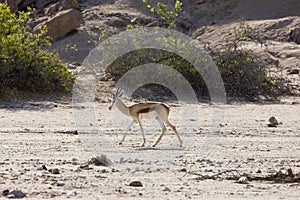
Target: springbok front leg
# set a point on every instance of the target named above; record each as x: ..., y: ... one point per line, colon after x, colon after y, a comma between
x: 142, y: 131
x: 126, y: 132
x: 164, y: 129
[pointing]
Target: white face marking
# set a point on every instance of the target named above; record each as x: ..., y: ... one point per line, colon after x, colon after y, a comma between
x: 114, y: 97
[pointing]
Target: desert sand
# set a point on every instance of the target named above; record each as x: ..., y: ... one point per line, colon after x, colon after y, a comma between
x: 40, y: 133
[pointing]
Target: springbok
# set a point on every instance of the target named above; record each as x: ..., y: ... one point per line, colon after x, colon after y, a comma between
x: 161, y: 110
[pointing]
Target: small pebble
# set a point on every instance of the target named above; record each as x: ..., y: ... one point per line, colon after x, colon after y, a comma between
x: 54, y: 171
x: 273, y: 122
x: 136, y: 184
x: 60, y: 184
x: 72, y: 193
x: 16, y: 194
x: 166, y: 189
x: 243, y: 180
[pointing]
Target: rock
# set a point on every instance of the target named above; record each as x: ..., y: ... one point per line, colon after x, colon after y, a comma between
x: 295, y: 35
x: 281, y: 174
x: 5, y: 192
x: 273, y: 122
x: 85, y: 167
x: 136, y: 184
x: 43, y: 167
x: 16, y: 194
x: 183, y: 170
x: 293, y: 71
x: 54, y: 171
x: 72, y: 193
x: 290, y: 173
x: 62, y: 23
x: 60, y: 6
x: 60, y: 184
x: 243, y: 180
x: 166, y: 189
x: 68, y: 4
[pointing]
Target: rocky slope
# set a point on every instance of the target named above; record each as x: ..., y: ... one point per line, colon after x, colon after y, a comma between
x: 212, y: 21
x: 277, y: 22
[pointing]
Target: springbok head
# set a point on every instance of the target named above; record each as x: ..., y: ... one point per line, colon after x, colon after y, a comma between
x: 115, y: 96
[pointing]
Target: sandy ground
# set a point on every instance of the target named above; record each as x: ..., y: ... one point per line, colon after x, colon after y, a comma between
x: 38, y: 136
x: 33, y: 134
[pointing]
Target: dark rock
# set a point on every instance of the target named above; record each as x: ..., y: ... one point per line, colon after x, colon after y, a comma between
x: 136, y: 184
x: 5, y: 192
x: 290, y: 173
x: 295, y: 35
x: 60, y: 184
x: 54, y: 171
x: 294, y: 71
x: 16, y: 194
x: 273, y: 122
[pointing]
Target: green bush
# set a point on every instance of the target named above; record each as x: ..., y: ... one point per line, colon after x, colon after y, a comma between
x: 167, y: 13
x: 24, y: 65
x: 245, y: 75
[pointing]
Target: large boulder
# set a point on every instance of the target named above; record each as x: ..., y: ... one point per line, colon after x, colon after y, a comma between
x: 62, y: 23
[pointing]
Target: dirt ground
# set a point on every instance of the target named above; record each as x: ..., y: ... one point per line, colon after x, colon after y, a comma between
x: 40, y: 133
x: 235, y: 156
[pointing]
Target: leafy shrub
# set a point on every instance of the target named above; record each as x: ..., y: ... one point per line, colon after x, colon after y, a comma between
x: 166, y: 13
x: 144, y: 56
x: 245, y: 75
x: 24, y: 65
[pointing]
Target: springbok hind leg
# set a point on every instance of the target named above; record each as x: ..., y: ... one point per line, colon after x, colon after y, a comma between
x: 164, y: 129
x: 175, y: 131
x: 142, y: 131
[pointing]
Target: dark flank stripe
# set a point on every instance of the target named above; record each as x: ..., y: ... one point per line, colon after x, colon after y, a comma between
x: 145, y: 110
